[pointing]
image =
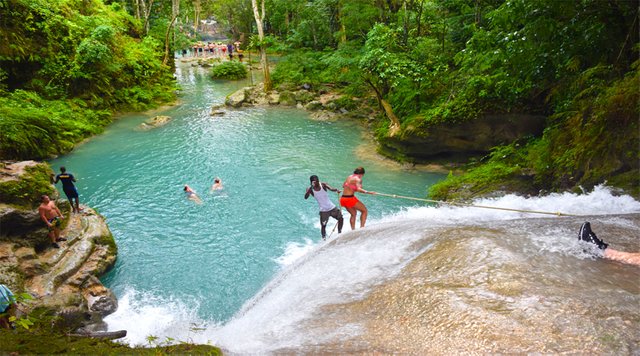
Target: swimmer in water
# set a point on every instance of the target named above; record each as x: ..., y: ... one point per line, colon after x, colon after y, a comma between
x: 191, y: 194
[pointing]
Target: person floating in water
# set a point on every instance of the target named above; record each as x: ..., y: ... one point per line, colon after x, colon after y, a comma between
x: 69, y: 188
x: 585, y: 234
x: 52, y: 217
x: 327, y: 208
x: 217, y: 184
x: 351, y: 185
x: 191, y: 194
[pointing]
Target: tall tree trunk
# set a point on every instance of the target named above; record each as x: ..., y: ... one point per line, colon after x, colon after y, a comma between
x: 394, y: 126
x: 419, y: 17
x: 166, y: 40
x: 175, y: 12
x: 343, y: 28
x: 405, y: 24
x: 263, y: 50
x: 146, y: 12
x: 196, y: 18
x: 138, y: 9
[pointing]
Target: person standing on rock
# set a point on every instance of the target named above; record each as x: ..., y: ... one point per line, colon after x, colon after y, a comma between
x: 52, y: 217
x: 230, y: 51
x: 69, y: 188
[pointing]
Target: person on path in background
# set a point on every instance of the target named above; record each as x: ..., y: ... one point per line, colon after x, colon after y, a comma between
x: 351, y: 185
x: 230, y: 50
x: 52, y: 217
x: 69, y: 188
x: 191, y: 194
x: 7, y: 304
x: 327, y: 208
x: 224, y: 50
x: 217, y: 184
x: 240, y: 55
x: 585, y: 234
x: 239, y: 51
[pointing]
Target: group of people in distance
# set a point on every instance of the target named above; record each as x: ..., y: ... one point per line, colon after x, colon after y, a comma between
x: 216, y: 50
x: 348, y: 200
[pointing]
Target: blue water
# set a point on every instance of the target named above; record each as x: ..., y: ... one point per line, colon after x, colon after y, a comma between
x: 217, y: 255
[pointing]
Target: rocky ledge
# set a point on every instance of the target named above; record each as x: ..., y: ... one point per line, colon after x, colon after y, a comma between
x: 62, y: 281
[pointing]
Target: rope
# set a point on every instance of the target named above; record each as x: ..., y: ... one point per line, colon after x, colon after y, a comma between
x: 475, y: 206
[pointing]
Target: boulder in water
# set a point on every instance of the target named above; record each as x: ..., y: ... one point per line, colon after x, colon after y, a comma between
x: 154, y: 122
x: 313, y: 106
x: 236, y: 99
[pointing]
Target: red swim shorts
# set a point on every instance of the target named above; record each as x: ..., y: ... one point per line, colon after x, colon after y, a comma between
x: 348, y: 201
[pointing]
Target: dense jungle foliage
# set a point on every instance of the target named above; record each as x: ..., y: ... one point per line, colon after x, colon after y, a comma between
x: 66, y: 65
x: 434, y: 62
x: 229, y: 70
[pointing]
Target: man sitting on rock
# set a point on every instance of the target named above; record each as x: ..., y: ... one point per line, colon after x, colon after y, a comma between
x: 51, y: 215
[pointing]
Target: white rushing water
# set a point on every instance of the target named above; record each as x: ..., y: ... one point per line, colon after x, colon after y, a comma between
x: 346, y: 268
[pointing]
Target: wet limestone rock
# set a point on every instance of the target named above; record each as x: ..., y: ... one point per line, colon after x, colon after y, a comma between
x: 287, y: 98
x: 313, y: 105
x: 238, y: 98
x: 462, y: 140
x: 63, y: 281
x: 154, y: 122
x: 22, y: 183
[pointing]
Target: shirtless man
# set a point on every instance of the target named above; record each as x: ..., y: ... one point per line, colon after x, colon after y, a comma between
x: 217, y: 184
x: 52, y: 217
x: 351, y: 185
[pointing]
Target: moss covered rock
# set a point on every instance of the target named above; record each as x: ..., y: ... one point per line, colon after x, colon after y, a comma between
x: 22, y: 183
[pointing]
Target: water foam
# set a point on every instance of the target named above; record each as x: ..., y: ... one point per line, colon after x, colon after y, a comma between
x: 145, y: 315
x: 600, y: 201
x: 294, y: 251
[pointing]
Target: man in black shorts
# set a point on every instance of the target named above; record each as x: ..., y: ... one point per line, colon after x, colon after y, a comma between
x: 69, y: 188
x: 327, y: 209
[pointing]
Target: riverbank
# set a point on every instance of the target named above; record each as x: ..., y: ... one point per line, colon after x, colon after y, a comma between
x: 62, y: 282
x: 46, y: 341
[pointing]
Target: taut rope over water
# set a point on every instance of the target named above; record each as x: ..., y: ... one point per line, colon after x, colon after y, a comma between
x: 476, y: 206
